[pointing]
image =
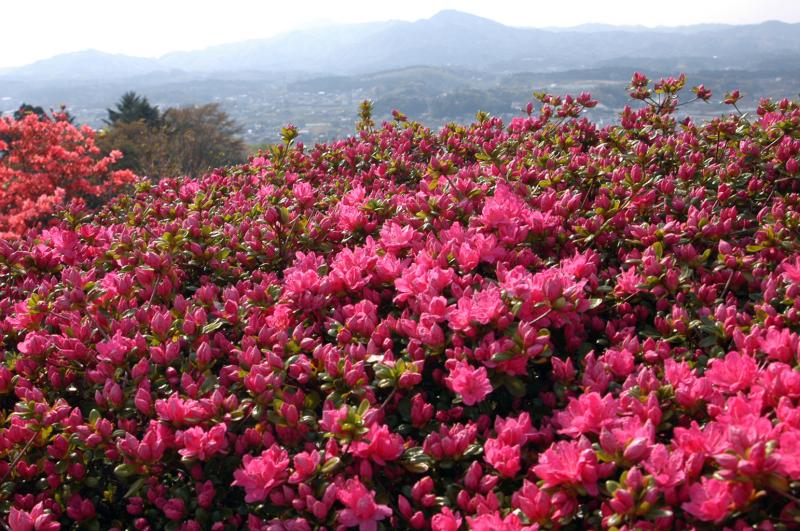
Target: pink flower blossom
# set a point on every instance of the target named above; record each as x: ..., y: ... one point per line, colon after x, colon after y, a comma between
x: 515, y: 431
x: 666, y: 466
x: 379, y: 444
x: 396, y: 237
x: 446, y: 521
x: 782, y: 345
x: 791, y: 271
x: 360, y: 507
x: 37, y: 519
x: 201, y: 444
x: 174, y: 509
x: 305, y: 466
x: 503, y: 457
x: 710, y: 500
x: 403, y: 320
x: 493, y: 522
x: 628, y: 283
x: 788, y: 453
x: 179, y: 411
x: 115, y: 349
x: 735, y: 372
x: 472, y: 384
x: 571, y: 463
x: 259, y: 475
x: 450, y: 441
x: 482, y: 308
x: 588, y: 413
x: 534, y: 503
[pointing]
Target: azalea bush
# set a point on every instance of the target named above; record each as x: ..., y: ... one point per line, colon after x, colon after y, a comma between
x: 47, y: 164
x: 545, y: 324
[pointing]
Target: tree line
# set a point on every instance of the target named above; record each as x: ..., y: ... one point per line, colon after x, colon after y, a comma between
x: 50, y: 166
x: 186, y: 140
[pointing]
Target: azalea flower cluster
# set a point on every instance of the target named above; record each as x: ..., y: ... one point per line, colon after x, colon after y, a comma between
x: 545, y: 324
x: 48, y: 164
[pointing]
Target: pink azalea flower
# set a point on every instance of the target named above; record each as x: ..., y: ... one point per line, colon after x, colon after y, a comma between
x: 360, y: 507
x: 304, y: 193
x: 571, y: 463
x: 494, y: 522
x: 789, y: 453
x: 791, y: 271
x: 694, y: 440
x: 628, y: 283
x: 154, y: 443
x: 503, y: 211
x: 332, y: 418
x: 666, y: 466
x: 37, y: 519
x: 179, y: 411
x: 627, y: 431
x: 534, y: 503
x: 780, y: 344
x: 588, y: 413
x: 201, y: 444
x: 446, y: 521
x: 710, y: 500
x: 259, y: 475
x: 515, y: 431
x: 115, y: 349
x: 503, y: 457
x: 305, y: 466
x: 361, y: 318
x: 80, y: 509
x: 482, y: 307
x: 450, y: 441
x: 396, y: 237
x: 379, y: 444
x: 174, y: 509
x: 735, y: 372
x: 472, y: 384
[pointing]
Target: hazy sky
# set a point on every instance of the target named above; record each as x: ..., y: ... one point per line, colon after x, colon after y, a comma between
x: 36, y: 29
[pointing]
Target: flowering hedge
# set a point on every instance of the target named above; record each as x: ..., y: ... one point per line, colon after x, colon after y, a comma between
x: 548, y: 324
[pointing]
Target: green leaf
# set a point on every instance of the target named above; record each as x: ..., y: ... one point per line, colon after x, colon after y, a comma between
x: 213, y: 326
x: 363, y: 407
x: 516, y: 387
x: 135, y: 487
x: 503, y: 356
x: 612, y: 486
x: 209, y: 383
x: 708, y: 341
x: 416, y: 468
x: 330, y: 465
x: 658, y: 248
x: 123, y: 470
x: 284, y: 212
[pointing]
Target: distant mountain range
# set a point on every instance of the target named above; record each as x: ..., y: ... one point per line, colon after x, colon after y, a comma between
x: 436, y: 70
x: 450, y: 38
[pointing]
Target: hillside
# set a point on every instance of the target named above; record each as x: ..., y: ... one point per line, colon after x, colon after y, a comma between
x: 541, y: 324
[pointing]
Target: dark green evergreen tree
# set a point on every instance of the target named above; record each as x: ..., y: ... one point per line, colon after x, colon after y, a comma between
x: 133, y: 108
